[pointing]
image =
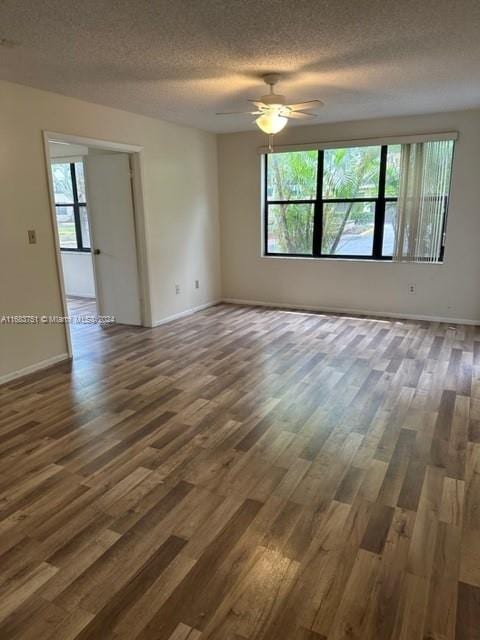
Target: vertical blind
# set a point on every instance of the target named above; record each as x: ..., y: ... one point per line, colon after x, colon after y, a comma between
x: 422, y: 202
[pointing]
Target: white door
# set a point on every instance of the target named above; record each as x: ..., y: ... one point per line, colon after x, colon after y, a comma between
x: 112, y: 222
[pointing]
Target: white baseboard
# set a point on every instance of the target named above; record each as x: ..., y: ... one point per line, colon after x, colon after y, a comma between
x: 187, y: 312
x: 353, y: 312
x: 44, y: 364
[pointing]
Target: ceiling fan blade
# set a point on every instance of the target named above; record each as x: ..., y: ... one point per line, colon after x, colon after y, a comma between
x: 310, y: 104
x: 257, y: 103
x: 301, y: 114
x: 236, y: 113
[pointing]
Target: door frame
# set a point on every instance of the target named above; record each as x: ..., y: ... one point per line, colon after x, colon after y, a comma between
x: 135, y: 153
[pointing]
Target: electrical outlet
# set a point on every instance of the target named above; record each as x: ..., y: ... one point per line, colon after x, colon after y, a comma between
x: 412, y: 288
x: 177, y: 289
x: 197, y: 284
x: 32, y: 236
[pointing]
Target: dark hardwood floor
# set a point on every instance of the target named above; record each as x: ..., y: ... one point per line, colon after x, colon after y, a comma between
x: 245, y: 474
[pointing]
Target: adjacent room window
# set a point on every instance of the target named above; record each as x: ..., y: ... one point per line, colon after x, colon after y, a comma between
x: 71, y: 206
x: 371, y: 202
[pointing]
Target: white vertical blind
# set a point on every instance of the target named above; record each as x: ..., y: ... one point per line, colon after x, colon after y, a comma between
x: 422, y: 203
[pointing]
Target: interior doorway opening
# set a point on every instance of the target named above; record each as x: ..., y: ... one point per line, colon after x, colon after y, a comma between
x: 73, y: 228
x: 98, y: 227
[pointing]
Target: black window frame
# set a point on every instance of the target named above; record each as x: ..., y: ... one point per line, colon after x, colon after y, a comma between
x: 318, y: 203
x: 77, y: 205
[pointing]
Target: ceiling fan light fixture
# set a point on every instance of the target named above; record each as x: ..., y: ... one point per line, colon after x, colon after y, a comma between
x: 273, y: 111
x: 271, y: 122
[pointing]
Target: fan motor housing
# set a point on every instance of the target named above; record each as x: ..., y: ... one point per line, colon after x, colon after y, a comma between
x: 273, y: 98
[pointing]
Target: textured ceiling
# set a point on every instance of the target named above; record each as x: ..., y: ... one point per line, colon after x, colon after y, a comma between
x: 184, y: 60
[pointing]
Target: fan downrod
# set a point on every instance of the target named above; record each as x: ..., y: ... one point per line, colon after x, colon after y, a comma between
x: 271, y: 79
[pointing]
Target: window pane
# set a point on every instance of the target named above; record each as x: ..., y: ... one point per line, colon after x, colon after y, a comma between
x: 292, y: 176
x: 290, y: 228
x: 85, y: 228
x: 66, y: 227
x: 348, y: 228
x: 80, y: 182
x: 390, y: 228
x: 392, y: 177
x: 351, y: 173
x: 62, y: 183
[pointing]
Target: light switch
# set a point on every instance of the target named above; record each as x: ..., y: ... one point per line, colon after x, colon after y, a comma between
x: 32, y: 236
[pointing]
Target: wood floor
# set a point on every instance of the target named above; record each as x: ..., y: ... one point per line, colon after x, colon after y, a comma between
x: 78, y: 306
x: 245, y: 474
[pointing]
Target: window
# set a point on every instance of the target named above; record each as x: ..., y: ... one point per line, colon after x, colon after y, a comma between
x: 344, y: 203
x: 71, y: 206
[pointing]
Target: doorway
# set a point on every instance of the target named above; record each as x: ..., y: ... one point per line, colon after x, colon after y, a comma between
x: 73, y: 228
x: 99, y: 235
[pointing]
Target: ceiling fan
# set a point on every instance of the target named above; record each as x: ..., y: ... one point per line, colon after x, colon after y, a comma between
x: 273, y: 112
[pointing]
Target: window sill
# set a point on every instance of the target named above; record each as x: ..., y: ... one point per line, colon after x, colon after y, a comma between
x: 343, y: 259
x: 82, y: 251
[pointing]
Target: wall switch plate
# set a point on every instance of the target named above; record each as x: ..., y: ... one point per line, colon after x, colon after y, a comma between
x: 32, y: 236
x: 412, y: 288
x: 177, y: 289
x: 197, y: 284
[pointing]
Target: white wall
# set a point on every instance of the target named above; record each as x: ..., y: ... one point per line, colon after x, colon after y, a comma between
x: 180, y: 193
x: 78, y: 274
x: 448, y: 290
x: 61, y: 150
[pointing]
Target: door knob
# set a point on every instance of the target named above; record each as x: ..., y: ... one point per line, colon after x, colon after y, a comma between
x: 96, y: 252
